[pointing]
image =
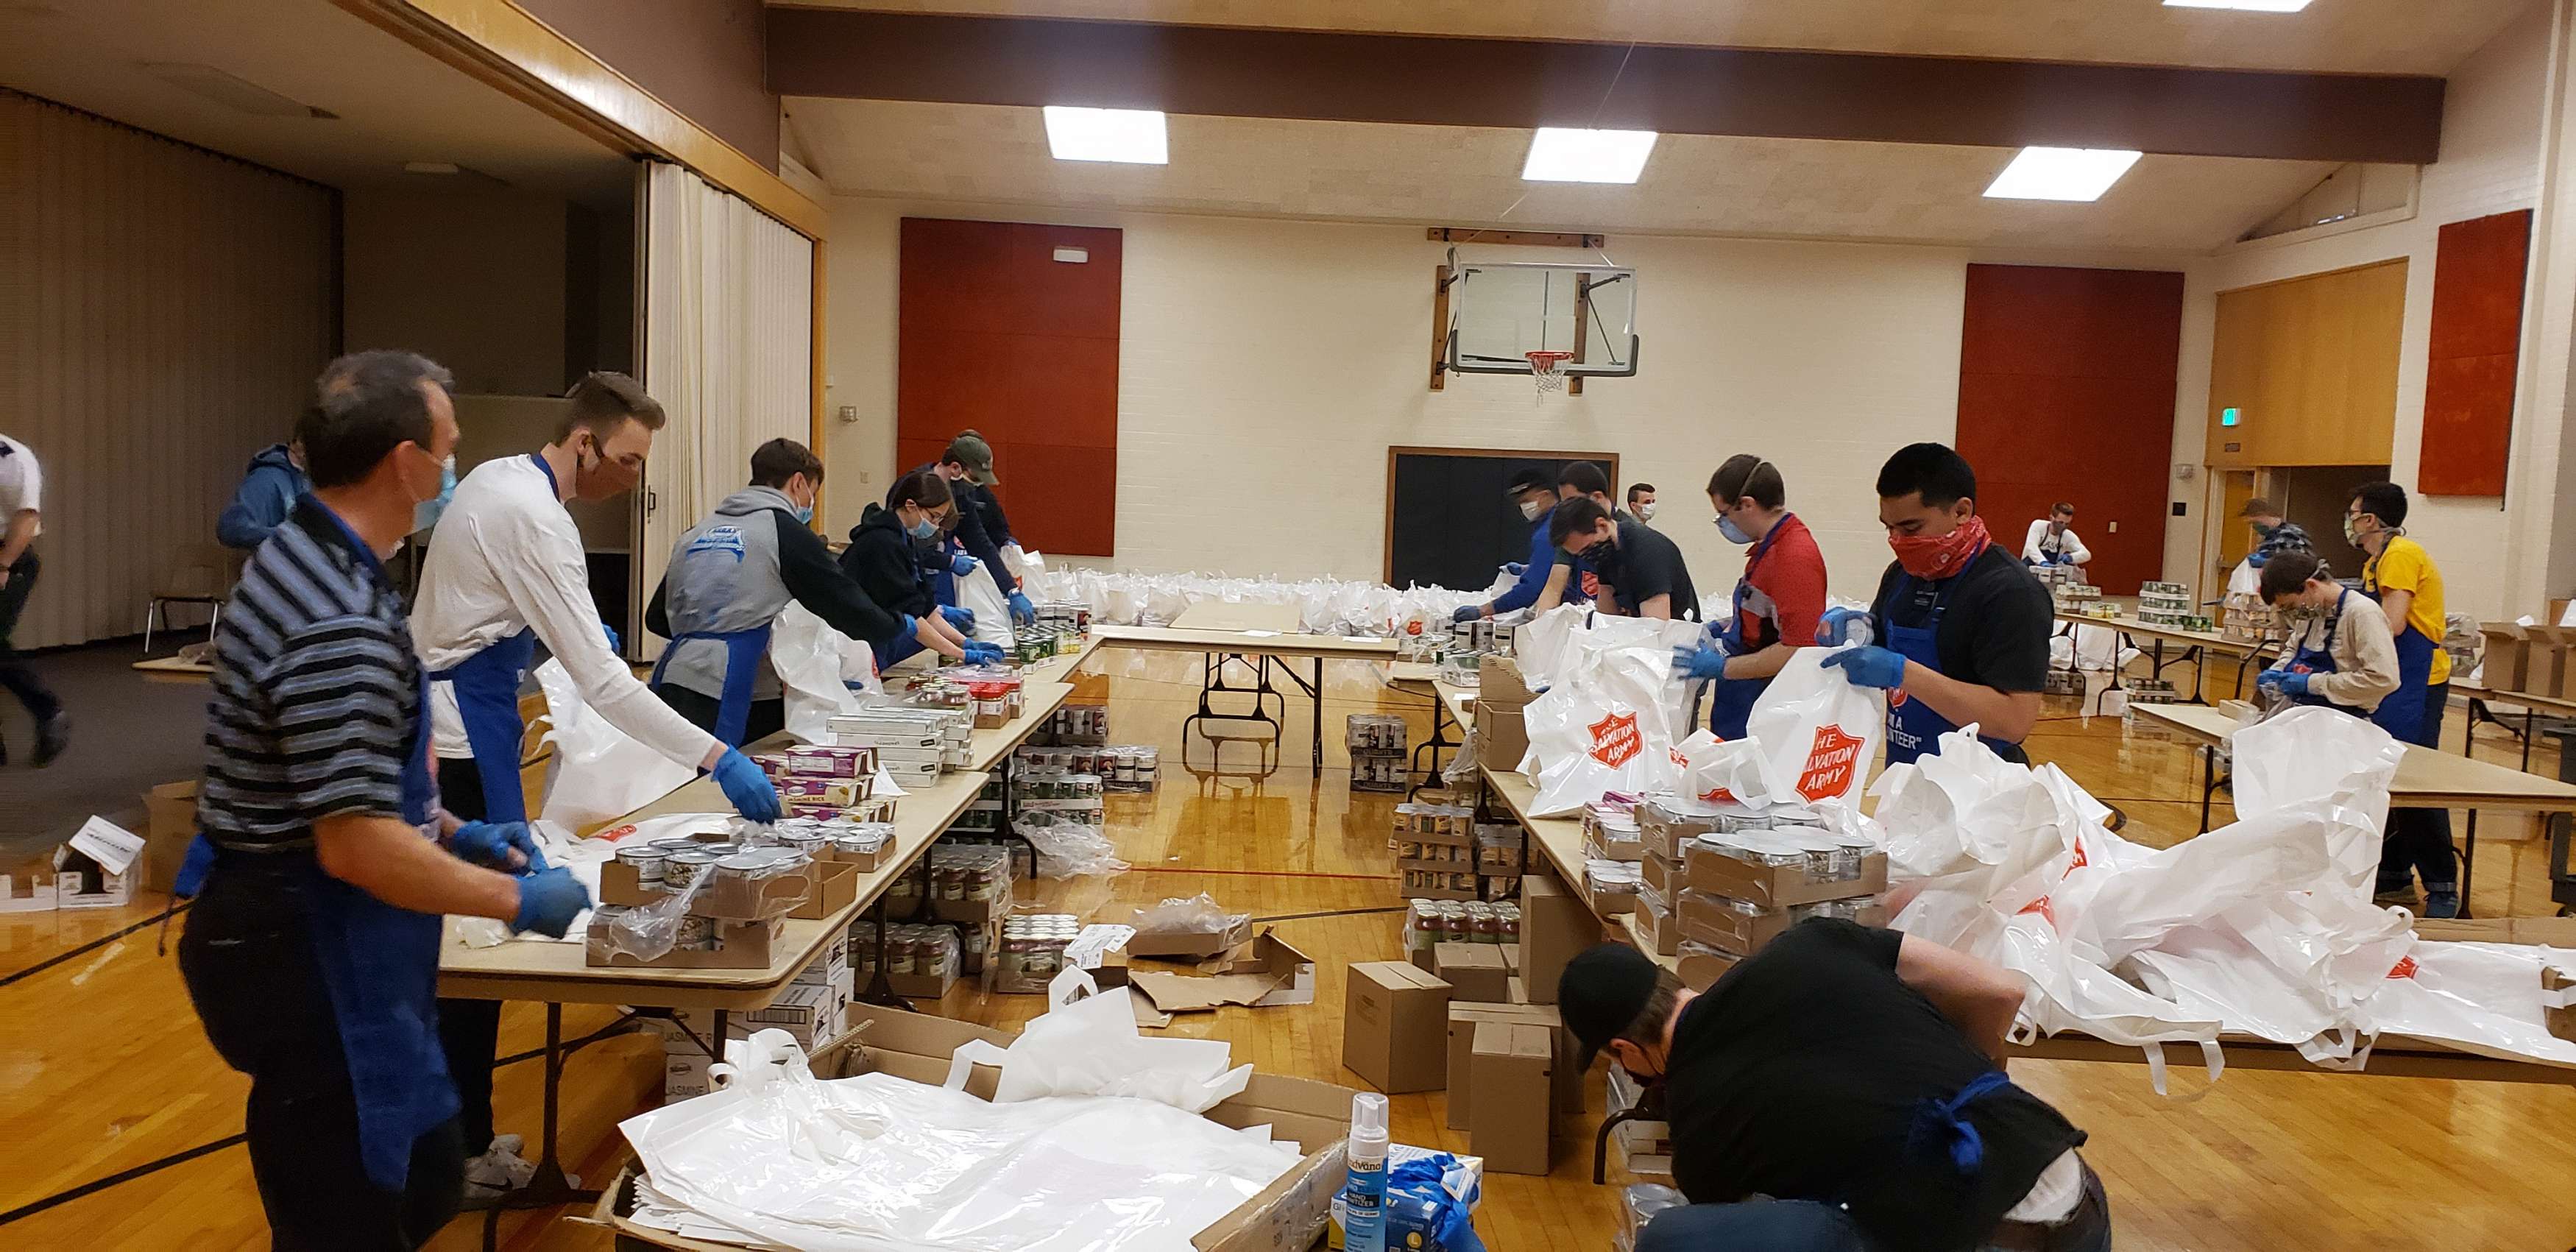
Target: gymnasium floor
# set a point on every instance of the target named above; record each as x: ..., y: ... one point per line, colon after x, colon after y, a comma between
x: 109, y: 1075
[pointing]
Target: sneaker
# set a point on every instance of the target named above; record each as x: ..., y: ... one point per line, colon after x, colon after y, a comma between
x: 2441, y: 900
x: 501, y: 1168
x: 52, y: 736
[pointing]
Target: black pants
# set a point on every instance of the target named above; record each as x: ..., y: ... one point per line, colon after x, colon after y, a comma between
x: 21, y: 681
x: 249, y: 967
x: 469, y: 1031
x: 765, y: 717
x: 2419, y: 840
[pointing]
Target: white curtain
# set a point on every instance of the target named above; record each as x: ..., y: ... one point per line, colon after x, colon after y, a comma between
x: 728, y: 349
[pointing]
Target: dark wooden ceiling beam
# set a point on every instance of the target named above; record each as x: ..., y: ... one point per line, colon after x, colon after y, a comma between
x: 1451, y: 81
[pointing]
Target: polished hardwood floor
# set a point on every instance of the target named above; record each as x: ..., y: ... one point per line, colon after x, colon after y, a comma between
x: 107, y: 1073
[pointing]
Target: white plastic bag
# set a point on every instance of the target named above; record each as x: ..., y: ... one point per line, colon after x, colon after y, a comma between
x: 977, y: 593
x: 1604, y: 725
x: 811, y: 659
x: 1718, y: 770
x: 1822, y: 731
x: 1070, y: 850
x: 597, y: 773
x: 1086, y: 1044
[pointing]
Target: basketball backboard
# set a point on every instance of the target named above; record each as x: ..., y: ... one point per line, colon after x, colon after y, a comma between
x: 1501, y: 313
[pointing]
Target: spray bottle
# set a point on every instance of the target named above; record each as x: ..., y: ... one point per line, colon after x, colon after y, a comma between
x: 1364, y: 1196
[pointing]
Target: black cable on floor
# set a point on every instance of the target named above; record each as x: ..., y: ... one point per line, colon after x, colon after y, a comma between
x: 91, y: 946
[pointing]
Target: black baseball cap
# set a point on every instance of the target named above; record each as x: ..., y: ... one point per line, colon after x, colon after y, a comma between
x: 1529, y: 478
x: 1601, y: 992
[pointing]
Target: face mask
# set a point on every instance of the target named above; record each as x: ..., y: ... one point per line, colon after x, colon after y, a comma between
x: 1646, y: 512
x: 426, y: 513
x: 1939, y: 556
x: 1734, y: 534
x: 2262, y: 531
x: 2352, y: 530
x: 1531, y: 509
x: 1595, y: 550
x: 923, y: 531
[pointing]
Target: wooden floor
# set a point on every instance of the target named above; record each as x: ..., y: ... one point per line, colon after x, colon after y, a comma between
x: 107, y: 1073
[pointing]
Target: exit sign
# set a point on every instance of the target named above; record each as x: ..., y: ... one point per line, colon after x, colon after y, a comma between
x: 2230, y: 416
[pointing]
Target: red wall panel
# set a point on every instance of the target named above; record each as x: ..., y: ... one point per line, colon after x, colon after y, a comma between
x: 2066, y: 392
x: 2474, y: 354
x: 996, y: 335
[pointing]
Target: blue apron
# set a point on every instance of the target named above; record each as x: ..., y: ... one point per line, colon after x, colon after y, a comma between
x: 379, y: 964
x: 2321, y: 661
x: 2402, y: 713
x: 744, y: 650
x: 1912, y: 727
x: 486, y: 686
x: 1731, y: 700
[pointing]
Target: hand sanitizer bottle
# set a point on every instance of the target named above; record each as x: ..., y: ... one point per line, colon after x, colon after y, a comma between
x: 1364, y: 1196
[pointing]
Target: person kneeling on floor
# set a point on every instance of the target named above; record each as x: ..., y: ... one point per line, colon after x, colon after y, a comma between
x: 1841, y: 1091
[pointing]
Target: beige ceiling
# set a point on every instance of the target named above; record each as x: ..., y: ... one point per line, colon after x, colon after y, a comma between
x: 1441, y: 175
x: 395, y: 104
x: 2353, y: 36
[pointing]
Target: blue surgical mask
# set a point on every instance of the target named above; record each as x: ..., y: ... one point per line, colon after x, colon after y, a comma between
x: 804, y: 515
x: 1726, y: 526
x: 924, y: 530
x: 426, y: 513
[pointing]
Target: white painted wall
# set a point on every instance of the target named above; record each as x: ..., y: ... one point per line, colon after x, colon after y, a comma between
x: 1266, y: 366
x: 2491, y: 148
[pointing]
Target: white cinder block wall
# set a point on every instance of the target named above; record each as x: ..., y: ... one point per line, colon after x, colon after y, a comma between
x: 1266, y: 367
x: 2491, y: 551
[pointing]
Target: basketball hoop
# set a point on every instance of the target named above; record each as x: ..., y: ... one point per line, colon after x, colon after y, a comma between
x: 1548, y: 367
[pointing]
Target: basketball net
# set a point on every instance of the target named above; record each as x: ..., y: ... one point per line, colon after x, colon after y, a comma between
x: 1548, y: 369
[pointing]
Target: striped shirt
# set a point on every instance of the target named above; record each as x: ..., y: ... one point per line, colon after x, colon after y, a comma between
x: 317, y: 692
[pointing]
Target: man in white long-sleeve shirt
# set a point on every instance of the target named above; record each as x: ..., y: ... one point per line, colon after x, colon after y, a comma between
x: 505, y: 573
x: 2052, y: 539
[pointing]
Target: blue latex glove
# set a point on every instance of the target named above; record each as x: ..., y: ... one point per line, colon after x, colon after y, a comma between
x: 1870, y: 667
x: 962, y: 619
x: 983, y: 654
x: 611, y: 632
x: 2066, y: 558
x: 1515, y: 568
x: 193, y: 868
x: 1698, y: 660
x: 1836, y: 625
x: 1023, y: 612
x: 964, y: 565
x: 748, y: 788
x: 548, y: 901
x: 489, y: 844
x: 1467, y: 613
x: 2270, y: 679
x: 2295, y: 684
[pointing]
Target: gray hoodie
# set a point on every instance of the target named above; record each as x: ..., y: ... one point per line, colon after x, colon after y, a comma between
x: 737, y: 571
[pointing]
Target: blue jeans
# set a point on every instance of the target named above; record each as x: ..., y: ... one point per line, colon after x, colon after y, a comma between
x: 1806, y: 1226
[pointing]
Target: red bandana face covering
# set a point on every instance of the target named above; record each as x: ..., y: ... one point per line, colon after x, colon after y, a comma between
x: 1939, y: 556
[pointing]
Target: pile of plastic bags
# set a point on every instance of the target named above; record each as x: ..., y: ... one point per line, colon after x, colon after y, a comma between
x: 1326, y: 606
x: 1093, y: 1140
x: 2263, y: 927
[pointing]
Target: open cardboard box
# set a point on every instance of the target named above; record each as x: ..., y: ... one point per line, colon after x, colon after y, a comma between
x: 1266, y: 974
x: 1289, y: 1214
x: 1190, y: 943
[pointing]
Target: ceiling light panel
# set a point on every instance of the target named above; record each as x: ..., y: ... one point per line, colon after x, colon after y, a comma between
x: 2061, y: 174
x: 1128, y: 136
x: 1563, y: 155
x: 2247, y: 6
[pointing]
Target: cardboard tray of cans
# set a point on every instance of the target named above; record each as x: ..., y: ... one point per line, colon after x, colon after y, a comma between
x: 1784, y: 866
x: 1611, y: 832
x: 1428, y: 923
x: 1744, y: 928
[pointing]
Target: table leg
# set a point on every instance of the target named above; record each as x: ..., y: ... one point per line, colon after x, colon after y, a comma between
x: 1319, y: 716
x: 2208, y: 783
x: 880, y: 991
x: 2530, y: 716
x: 550, y: 1187
x: 2468, y: 863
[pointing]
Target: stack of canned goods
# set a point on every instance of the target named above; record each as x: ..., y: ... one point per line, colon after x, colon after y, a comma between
x: 1032, y: 950
x: 1079, y: 724
x: 1376, y: 732
x: 1825, y: 856
x: 1064, y: 616
x: 926, y: 951
x: 978, y: 873
x: 1431, y: 922
x: 1131, y: 767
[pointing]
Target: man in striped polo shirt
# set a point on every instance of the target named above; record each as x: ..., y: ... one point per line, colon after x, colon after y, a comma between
x: 312, y: 953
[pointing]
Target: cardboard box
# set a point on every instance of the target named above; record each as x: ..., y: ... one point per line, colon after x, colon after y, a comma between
x: 1708, y: 919
x: 1392, y: 1020
x: 1700, y: 966
x: 1555, y: 924
x: 1706, y: 869
x: 1474, y: 972
x: 1289, y: 1214
x: 922, y: 986
x: 2541, y: 932
x: 172, y: 824
x: 867, y: 862
x: 1512, y: 963
x: 29, y: 890
x: 1663, y: 876
x: 2557, y: 991
x: 98, y: 867
x: 1499, y: 683
x: 1502, y: 737
x: 1463, y: 1020
x: 832, y: 887
x: 1657, y: 932
x: 740, y: 945
x: 1512, y: 1121
x: 1267, y: 974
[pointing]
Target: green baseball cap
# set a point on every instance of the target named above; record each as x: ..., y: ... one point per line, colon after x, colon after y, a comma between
x: 970, y: 450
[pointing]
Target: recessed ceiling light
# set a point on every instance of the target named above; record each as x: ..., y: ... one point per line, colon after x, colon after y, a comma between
x: 2061, y: 174
x: 2249, y: 6
x: 1559, y: 154
x: 1134, y: 136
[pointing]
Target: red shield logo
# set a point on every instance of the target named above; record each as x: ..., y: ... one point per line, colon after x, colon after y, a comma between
x: 2042, y: 907
x: 2405, y: 968
x: 1831, y: 764
x: 1896, y: 697
x: 1718, y: 795
x: 1615, y: 740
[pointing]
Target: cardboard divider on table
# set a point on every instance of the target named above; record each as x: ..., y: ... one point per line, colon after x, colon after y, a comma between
x: 1291, y: 1213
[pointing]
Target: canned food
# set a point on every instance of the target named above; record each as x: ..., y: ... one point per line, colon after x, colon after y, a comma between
x: 647, y: 861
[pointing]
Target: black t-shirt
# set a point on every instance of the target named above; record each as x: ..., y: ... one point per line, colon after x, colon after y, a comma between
x: 1995, y: 620
x: 1646, y: 565
x: 1798, y: 1076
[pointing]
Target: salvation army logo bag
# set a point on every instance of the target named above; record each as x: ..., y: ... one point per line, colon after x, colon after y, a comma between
x: 1819, y: 729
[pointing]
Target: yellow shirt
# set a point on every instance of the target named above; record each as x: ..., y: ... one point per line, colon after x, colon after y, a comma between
x: 2404, y: 566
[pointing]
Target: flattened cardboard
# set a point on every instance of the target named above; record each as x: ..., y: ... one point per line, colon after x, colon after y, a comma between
x: 1189, y: 943
x: 1555, y: 924
x: 1392, y: 1017
x: 1474, y: 971
x: 1512, y: 1123
x: 1267, y: 974
x: 1705, y: 869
